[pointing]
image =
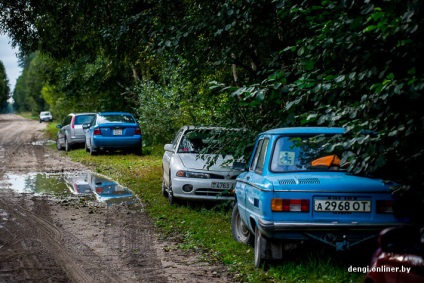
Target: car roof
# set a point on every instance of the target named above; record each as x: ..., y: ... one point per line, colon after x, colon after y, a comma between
x: 305, y: 131
x: 83, y: 113
x: 204, y: 128
x: 114, y: 113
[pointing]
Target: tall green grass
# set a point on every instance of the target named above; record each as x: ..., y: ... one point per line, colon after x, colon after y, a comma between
x: 206, y: 229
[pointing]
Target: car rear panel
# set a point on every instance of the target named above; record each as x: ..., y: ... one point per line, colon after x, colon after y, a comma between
x: 333, y: 198
x: 117, y: 136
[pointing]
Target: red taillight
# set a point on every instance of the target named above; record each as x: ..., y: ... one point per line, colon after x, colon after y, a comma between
x: 137, y: 131
x: 99, y: 190
x: 73, y: 122
x: 384, y: 206
x: 96, y: 131
x: 290, y: 205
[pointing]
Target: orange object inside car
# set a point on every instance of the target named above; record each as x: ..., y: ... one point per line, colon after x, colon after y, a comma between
x: 330, y: 160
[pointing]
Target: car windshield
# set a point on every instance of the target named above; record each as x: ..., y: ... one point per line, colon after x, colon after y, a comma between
x: 115, y: 118
x: 306, y: 153
x: 200, y: 141
x: 45, y: 113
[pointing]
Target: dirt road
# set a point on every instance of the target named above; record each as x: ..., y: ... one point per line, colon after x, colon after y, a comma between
x: 45, y: 240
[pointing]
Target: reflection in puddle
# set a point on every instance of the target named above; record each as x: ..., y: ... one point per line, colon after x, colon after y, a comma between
x: 45, y: 142
x: 70, y: 185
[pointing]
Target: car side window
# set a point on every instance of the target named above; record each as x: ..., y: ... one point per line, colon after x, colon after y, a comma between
x: 256, y: 155
x: 93, y: 121
x: 177, y: 138
x: 261, y: 159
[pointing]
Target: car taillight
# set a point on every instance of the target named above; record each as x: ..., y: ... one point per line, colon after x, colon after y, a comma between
x: 96, y: 131
x: 384, y: 206
x: 99, y: 190
x: 290, y: 205
x: 73, y: 122
x: 137, y: 131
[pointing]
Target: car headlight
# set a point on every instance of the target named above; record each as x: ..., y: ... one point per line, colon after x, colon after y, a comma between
x: 190, y: 174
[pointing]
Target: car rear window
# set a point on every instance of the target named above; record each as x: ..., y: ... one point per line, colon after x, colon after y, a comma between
x: 115, y: 118
x: 306, y: 153
x: 83, y: 119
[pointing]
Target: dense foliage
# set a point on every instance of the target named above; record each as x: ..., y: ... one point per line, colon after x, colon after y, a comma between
x: 253, y: 64
x: 4, y: 88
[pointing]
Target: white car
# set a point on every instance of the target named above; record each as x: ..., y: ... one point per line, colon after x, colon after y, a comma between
x: 45, y: 116
x: 187, y: 175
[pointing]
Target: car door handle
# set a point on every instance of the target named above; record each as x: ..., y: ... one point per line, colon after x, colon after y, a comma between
x: 248, y: 178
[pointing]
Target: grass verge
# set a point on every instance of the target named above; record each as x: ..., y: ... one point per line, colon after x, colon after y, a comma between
x: 206, y: 228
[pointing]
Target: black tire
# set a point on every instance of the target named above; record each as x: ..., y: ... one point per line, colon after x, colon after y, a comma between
x: 67, y: 145
x: 92, y: 151
x: 240, y: 232
x: 171, y: 198
x: 164, y: 192
x: 137, y: 151
x: 58, y: 146
x: 260, y: 248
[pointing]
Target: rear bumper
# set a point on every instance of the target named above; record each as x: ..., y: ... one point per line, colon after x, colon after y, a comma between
x: 116, y: 142
x: 275, y: 227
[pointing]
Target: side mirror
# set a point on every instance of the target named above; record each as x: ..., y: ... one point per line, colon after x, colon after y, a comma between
x: 59, y: 126
x: 400, y: 240
x: 169, y: 147
x: 85, y: 126
x: 239, y: 166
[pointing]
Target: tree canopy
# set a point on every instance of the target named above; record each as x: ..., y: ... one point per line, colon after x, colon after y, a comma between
x: 4, y: 88
x: 247, y: 63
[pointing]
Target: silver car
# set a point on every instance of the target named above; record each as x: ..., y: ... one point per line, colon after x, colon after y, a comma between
x: 71, y: 132
x: 186, y: 172
x: 45, y: 116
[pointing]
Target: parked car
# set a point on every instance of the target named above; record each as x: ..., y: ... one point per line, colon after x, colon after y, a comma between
x: 296, y: 189
x: 186, y: 172
x: 71, y: 132
x: 399, y: 257
x: 45, y: 116
x: 113, y: 131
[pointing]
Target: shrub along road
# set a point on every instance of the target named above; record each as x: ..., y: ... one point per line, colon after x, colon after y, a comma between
x: 47, y: 240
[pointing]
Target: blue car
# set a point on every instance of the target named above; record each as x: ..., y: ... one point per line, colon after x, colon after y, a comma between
x: 296, y: 188
x: 113, y: 131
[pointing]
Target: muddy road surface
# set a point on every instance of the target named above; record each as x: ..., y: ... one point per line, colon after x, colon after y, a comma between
x: 44, y: 239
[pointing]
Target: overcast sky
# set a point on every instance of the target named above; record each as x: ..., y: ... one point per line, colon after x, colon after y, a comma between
x: 10, y: 62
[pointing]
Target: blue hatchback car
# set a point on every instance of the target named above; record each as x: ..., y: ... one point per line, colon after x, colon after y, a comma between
x: 113, y: 131
x: 296, y: 189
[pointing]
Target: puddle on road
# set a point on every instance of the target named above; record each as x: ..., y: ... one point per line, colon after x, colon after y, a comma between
x: 70, y: 186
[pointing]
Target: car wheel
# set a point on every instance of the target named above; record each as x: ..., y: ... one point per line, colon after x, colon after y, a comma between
x: 137, y: 150
x: 164, y: 192
x: 171, y: 198
x: 92, y: 151
x: 58, y: 146
x: 67, y: 145
x: 240, y: 232
x: 260, y: 247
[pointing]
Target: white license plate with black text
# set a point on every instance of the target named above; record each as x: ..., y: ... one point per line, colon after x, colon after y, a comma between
x: 221, y: 185
x: 117, y: 132
x: 342, y: 205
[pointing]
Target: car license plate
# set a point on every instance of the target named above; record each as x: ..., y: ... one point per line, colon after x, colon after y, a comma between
x: 117, y: 132
x: 221, y: 185
x: 342, y: 205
